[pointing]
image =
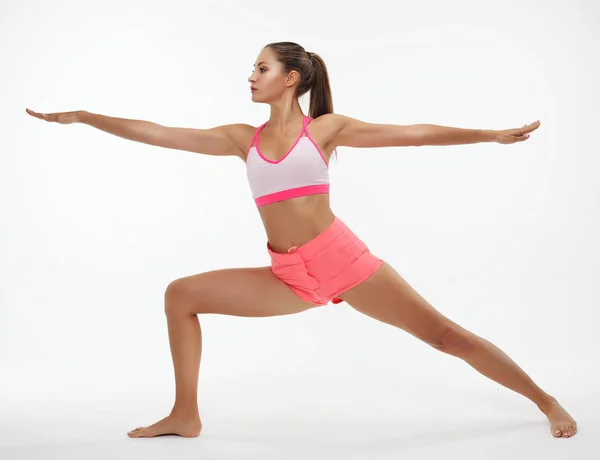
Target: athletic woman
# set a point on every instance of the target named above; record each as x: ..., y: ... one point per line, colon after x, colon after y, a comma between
x: 315, y: 257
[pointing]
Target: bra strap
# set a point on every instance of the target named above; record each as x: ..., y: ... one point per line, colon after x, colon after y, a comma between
x: 305, y: 124
x: 256, y: 134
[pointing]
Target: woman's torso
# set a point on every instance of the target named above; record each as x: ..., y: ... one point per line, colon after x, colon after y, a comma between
x: 295, y: 221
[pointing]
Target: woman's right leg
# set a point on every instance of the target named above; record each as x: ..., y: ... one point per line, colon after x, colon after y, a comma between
x: 250, y: 292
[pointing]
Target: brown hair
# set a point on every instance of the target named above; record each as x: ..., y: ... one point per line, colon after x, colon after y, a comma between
x: 313, y: 75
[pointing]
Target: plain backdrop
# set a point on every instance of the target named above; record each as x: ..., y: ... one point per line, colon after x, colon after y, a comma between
x: 502, y: 239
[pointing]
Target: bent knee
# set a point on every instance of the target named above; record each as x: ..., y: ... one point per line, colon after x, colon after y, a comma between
x: 454, y: 341
x: 179, y: 294
x: 175, y: 289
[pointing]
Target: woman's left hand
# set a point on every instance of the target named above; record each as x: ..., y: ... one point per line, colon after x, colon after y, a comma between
x: 510, y: 136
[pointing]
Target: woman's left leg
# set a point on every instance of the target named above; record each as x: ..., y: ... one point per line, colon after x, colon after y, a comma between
x: 387, y: 297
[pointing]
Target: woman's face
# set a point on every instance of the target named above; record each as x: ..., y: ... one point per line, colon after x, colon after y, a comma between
x: 267, y: 80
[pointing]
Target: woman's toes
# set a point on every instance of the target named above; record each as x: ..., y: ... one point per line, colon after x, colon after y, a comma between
x: 566, y: 431
x: 134, y: 432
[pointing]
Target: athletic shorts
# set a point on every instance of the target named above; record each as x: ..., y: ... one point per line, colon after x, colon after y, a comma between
x: 333, y: 262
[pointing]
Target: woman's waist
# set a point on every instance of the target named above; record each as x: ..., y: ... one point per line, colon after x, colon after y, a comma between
x: 293, y: 223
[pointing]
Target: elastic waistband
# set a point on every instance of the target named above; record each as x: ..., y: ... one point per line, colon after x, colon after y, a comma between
x: 310, y: 249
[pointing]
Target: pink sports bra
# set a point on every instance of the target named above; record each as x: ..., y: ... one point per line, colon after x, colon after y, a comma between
x: 302, y: 171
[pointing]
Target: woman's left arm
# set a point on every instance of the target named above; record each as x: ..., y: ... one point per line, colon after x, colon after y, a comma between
x: 350, y: 132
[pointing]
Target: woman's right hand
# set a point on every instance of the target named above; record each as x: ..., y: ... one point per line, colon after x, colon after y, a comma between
x: 64, y: 118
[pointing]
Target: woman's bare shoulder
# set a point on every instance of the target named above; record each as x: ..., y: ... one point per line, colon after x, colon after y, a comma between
x: 242, y: 135
x: 326, y: 127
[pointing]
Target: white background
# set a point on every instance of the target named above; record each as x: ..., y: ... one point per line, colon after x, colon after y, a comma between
x: 502, y: 239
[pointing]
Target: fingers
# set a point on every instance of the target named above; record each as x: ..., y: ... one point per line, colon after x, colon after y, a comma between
x: 527, y: 129
x: 512, y: 138
x: 41, y: 116
x: 33, y: 114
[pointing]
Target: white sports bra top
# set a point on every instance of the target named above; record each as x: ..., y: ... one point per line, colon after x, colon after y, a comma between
x: 302, y: 171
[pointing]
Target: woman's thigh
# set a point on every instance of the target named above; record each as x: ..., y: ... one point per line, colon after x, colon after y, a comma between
x: 250, y: 292
x: 389, y: 298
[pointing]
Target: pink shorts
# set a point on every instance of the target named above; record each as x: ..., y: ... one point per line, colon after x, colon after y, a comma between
x: 333, y: 262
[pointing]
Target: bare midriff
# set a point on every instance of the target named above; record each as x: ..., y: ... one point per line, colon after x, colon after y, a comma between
x: 294, y: 222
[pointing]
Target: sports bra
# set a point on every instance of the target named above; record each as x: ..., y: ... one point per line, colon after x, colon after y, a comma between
x: 302, y: 171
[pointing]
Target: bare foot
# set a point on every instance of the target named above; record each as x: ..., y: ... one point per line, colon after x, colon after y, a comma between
x: 561, y: 423
x: 185, y: 427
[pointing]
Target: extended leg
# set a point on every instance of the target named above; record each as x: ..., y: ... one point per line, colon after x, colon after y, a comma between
x: 386, y: 296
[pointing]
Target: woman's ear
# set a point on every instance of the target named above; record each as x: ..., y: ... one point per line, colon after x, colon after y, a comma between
x: 292, y: 78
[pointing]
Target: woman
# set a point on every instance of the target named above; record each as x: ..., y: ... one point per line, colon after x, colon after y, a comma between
x: 315, y: 258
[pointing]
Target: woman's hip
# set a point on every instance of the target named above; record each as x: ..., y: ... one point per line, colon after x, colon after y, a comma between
x: 332, y: 262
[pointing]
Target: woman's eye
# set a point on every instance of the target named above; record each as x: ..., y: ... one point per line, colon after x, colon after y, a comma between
x: 262, y: 69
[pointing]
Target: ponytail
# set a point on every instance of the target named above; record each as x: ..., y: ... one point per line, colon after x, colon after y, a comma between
x: 321, y: 101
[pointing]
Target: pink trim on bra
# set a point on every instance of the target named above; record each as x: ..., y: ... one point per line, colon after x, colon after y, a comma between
x: 305, y: 123
x: 292, y: 193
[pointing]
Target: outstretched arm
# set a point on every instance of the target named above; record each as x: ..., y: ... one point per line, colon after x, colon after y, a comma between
x: 350, y: 132
x: 221, y: 140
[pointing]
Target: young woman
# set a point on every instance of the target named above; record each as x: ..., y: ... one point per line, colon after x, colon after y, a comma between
x: 315, y: 257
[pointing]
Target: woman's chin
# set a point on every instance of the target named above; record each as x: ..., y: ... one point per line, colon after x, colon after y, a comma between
x: 256, y: 98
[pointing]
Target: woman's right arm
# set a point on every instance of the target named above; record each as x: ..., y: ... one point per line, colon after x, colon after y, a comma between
x: 221, y: 140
